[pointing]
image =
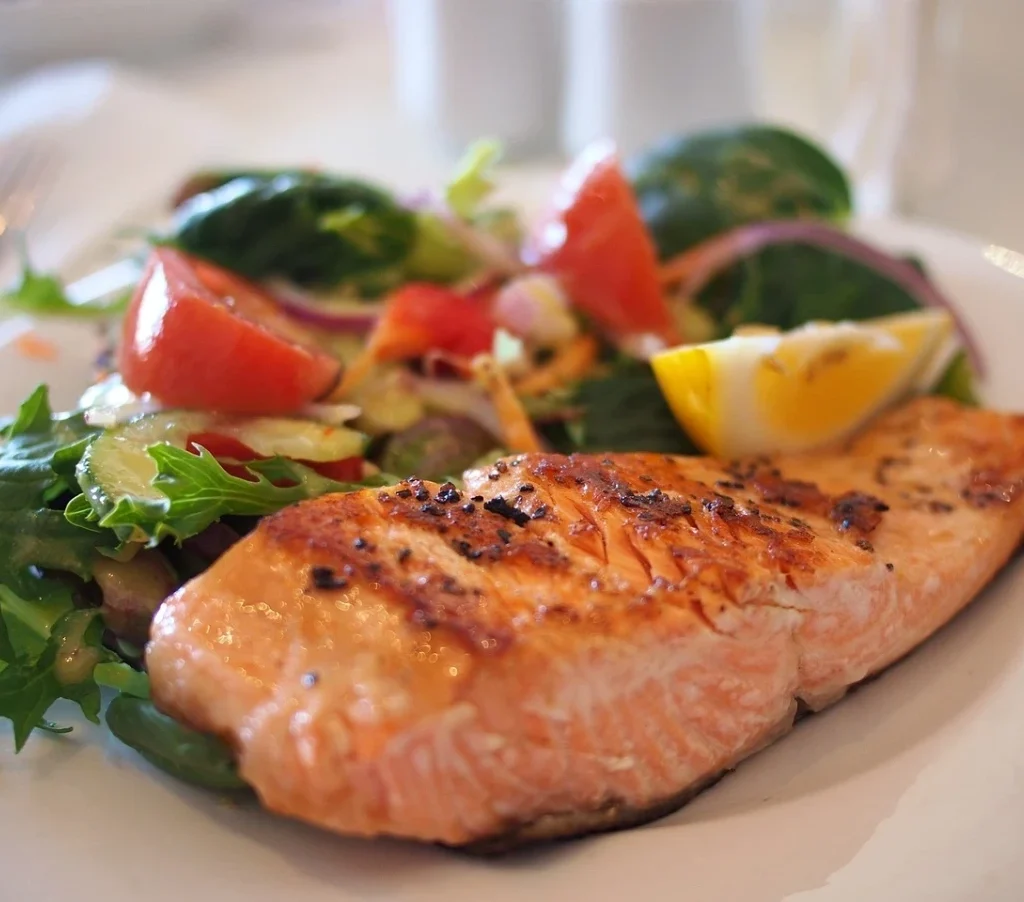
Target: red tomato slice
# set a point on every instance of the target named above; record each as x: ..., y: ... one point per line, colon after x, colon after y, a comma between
x: 232, y: 454
x: 595, y: 242
x: 421, y: 317
x: 197, y: 336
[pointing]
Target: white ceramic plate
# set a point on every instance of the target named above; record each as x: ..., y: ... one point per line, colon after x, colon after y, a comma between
x: 911, y: 789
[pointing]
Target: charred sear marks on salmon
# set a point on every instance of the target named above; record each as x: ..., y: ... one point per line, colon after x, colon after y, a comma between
x: 933, y: 506
x: 433, y: 592
x: 655, y: 505
x: 887, y: 463
x: 790, y: 493
x: 325, y: 578
x: 857, y: 511
x: 987, y: 487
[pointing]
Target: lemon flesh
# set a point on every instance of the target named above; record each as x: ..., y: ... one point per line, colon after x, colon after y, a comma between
x: 762, y: 391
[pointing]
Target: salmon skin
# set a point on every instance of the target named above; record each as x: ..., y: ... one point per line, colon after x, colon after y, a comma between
x: 576, y: 644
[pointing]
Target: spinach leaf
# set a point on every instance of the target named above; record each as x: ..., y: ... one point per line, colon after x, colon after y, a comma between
x: 621, y: 410
x: 312, y: 229
x: 693, y: 187
x: 787, y: 285
x: 191, y: 756
x: 208, y: 179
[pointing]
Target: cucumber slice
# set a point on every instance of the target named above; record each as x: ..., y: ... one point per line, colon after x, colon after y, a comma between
x: 294, y: 439
x: 116, y: 466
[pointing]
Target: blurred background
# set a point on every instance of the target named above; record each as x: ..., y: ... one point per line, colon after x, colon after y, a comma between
x: 923, y: 100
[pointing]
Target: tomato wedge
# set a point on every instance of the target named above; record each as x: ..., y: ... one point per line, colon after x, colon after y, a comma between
x: 198, y: 336
x: 420, y: 318
x: 233, y: 454
x: 595, y: 242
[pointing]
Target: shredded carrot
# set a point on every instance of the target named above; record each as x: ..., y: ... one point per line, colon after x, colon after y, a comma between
x: 35, y: 347
x: 517, y: 430
x: 572, y: 361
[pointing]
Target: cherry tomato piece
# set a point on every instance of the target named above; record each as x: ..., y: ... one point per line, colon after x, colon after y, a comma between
x: 200, y: 337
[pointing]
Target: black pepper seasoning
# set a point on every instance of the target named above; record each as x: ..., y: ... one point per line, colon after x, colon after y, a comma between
x: 324, y: 578
x: 466, y: 550
x: 498, y: 505
x: 448, y: 494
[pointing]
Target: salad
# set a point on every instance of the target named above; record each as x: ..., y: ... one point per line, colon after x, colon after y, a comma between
x: 294, y: 333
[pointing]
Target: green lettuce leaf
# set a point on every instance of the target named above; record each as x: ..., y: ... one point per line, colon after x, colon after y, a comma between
x: 43, y: 294
x: 39, y: 626
x: 472, y: 183
x: 198, y: 491
x: 30, y: 684
x: 437, y: 255
x: 32, y: 532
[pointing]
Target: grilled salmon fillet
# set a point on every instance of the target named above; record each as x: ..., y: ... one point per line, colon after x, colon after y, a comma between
x: 578, y: 643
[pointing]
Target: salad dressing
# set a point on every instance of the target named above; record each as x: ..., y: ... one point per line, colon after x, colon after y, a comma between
x: 76, y: 659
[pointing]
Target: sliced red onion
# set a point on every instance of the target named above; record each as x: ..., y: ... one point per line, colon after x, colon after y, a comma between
x: 534, y: 307
x: 696, y: 267
x: 350, y: 316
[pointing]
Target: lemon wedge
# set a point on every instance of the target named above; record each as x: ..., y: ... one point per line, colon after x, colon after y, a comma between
x: 761, y: 390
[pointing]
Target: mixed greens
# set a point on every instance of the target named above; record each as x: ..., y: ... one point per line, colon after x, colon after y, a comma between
x: 353, y: 338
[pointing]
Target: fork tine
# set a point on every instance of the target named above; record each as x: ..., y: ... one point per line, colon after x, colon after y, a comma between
x: 11, y: 175
x: 21, y: 176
